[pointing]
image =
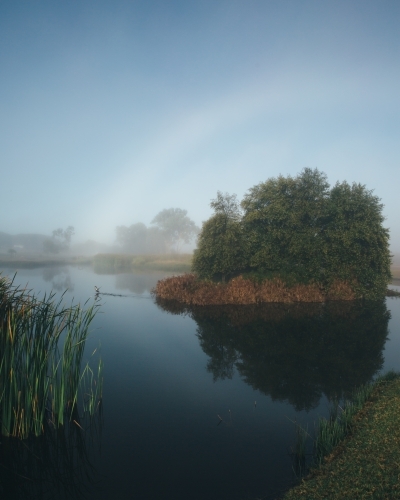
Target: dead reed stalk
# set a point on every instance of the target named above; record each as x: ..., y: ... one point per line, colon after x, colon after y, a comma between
x: 188, y: 290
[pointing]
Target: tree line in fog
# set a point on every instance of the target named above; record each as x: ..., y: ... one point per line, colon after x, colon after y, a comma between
x: 167, y: 233
x: 169, y: 230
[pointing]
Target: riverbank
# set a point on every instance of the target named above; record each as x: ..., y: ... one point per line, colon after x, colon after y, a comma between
x: 188, y: 289
x: 366, y: 464
x: 117, y: 263
x: 105, y: 263
x: 40, y: 261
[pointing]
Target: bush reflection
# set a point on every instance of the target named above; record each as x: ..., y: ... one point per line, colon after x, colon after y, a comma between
x: 293, y: 353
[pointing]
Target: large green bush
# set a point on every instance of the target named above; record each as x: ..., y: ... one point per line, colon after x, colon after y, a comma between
x: 222, y: 246
x: 301, y: 230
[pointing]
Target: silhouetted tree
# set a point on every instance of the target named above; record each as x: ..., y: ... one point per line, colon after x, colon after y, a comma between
x: 59, y: 241
x: 133, y: 238
x: 176, y: 226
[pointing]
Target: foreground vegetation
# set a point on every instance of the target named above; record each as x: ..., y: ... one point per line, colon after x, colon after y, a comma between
x: 41, y: 349
x: 357, y: 451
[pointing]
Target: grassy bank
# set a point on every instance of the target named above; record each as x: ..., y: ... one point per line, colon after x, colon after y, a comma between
x: 114, y: 263
x: 358, y: 449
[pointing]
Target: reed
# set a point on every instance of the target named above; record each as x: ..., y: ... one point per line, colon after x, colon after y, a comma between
x: 299, y: 451
x: 39, y: 380
x: 190, y: 290
x: 330, y: 432
x: 364, y: 461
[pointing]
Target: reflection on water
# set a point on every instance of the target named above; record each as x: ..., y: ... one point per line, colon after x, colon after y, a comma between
x: 59, y: 277
x: 162, y: 436
x: 136, y: 283
x: 56, y: 465
x: 293, y: 353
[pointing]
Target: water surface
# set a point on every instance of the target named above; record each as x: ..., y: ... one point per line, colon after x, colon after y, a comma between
x: 200, y: 403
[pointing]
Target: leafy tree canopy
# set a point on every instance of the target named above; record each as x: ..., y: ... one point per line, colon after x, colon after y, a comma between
x: 221, y: 249
x: 300, y: 229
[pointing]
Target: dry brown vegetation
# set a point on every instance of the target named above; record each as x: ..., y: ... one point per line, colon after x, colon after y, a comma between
x: 188, y: 290
x: 395, y: 270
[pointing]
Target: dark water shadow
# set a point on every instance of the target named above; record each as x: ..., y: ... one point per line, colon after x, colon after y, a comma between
x: 293, y: 352
x: 57, y: 465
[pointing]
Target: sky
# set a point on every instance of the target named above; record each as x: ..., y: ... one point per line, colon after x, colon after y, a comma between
x: 111, y: 111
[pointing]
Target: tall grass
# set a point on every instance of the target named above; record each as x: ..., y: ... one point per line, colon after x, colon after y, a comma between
x: 365, y: 464
x: 190, y: 290
x: 39, y: 380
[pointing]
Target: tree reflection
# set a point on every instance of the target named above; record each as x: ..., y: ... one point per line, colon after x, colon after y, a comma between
x: 137, y: 282
x: 293, y: 352
x: 59, y: 277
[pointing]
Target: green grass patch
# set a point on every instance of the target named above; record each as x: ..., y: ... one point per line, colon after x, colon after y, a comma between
x: 358, y: 449
x: 114, y: 263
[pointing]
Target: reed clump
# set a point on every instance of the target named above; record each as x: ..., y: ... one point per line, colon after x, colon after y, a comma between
x: 41, y: 349
x: 190, y: 290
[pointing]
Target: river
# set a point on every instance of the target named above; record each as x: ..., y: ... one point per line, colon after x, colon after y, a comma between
x: 200, y: 404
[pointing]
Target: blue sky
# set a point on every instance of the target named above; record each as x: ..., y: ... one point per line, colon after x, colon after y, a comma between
x: 111, y: 111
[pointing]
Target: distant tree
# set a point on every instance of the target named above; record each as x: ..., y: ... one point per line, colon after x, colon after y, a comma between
x: 59, y: 241
x: 221, y: 251
x: 133, y: 238
x: 156, y: 243
x: 12, y: 252
x: 176, y: 226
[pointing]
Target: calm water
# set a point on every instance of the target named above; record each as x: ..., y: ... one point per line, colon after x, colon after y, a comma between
x: 200, y: 404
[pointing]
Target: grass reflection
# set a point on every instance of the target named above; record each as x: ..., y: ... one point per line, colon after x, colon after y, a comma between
x: 55, y: 465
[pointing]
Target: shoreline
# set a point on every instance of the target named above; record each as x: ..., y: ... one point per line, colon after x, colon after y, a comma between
x: 365, y: 462
x: 188, y: 290
x: 118, y: 263
x: 107, y: 263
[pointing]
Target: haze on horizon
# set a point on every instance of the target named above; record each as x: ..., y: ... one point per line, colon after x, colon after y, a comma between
x: 112, y: 111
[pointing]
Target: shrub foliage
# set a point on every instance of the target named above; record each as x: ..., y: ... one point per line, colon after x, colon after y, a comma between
x: 299, y: 230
